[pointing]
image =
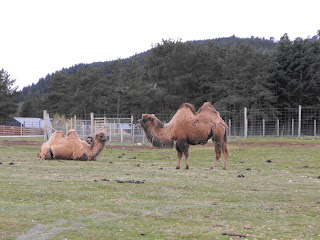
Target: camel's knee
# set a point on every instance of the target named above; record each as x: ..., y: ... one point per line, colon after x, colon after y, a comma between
x: 225, y: 149
x: 48, y: 155
x: 179, y: 154
x: 218, y: 150
x: 218, y: 154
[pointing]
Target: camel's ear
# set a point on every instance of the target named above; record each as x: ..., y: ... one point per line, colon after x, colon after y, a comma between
x: 146, y: 117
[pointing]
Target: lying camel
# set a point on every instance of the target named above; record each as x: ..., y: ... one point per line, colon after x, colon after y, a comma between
x: 71, y: 147
x: 188, y: 127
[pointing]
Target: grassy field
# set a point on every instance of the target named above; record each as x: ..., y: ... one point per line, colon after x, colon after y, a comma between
x: 270, y: 190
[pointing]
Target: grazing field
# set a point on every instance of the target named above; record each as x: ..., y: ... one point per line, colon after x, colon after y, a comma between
x: 270, y: 190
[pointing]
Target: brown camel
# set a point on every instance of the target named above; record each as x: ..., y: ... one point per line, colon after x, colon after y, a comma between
x: 71, y: 147
x: 188, y: 127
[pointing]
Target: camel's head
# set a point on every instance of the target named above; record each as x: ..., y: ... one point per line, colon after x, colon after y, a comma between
x: 90, y: 141
x: 149, y: 121
x: 151, y: 126
x: 101, y: 137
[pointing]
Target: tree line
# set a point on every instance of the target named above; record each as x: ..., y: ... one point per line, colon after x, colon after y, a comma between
x: 232, y: 73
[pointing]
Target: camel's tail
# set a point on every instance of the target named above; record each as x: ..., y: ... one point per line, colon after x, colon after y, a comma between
x: 225, y: 141
x: 225, y: 137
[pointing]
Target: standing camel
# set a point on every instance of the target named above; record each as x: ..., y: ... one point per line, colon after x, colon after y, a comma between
x: 188, y: 127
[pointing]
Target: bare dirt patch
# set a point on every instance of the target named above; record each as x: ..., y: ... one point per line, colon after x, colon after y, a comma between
x: 37, y: 143
x: 128, y: 147
x: 238, y: 144
x: 20, y: 143
x: 273, y: 144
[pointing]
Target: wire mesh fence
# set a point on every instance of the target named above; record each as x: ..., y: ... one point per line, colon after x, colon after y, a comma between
x: 297, y: 122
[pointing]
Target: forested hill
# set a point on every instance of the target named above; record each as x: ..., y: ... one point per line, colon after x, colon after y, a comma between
x: 42, y: 87
x: 229, y: 72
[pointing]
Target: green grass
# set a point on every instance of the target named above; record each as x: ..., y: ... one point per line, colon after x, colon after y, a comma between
x: 84, y: 200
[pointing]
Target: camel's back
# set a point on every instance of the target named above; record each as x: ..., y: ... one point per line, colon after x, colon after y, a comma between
x: 184, y: 114
x: 205, y: 115
x: 198, y: 126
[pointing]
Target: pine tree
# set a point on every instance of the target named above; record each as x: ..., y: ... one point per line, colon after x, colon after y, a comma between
x: 59, y: 98
x: 8, y: 105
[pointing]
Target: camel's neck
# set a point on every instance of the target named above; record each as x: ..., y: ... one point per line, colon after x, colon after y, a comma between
x: 96, y: 149
x: 160, y: 137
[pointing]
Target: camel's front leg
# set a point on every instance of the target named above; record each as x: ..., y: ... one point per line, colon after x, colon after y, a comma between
x: 186, y: 154
x: 179, y: 156
x: 183, y: 148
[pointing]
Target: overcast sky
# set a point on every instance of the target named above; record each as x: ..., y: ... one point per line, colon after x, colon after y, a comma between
x: 41, y: 36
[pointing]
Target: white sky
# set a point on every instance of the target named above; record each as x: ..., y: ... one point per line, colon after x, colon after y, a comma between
x: 42, y: 36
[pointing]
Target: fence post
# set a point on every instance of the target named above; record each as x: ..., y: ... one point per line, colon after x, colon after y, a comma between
x: 277, y: 128
x: 245, y: 123
x: 121, y: 132
x: 299, y: 122
x: 229, y: 133
x: 314, y: 127
x: 45, y: 134
x: 75, y: 122
x: 82, y: 125
x: 132, y: 128
x: 39, y: 127
x: 143, y: 137
x: 105, y: 125
x: 92, y: 122
x: 292, y: 127
x: 263, y: 127
x: 110, y: 133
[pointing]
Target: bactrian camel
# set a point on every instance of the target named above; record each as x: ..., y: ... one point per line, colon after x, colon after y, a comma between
x: 188, y: 127
x: 71, y: 147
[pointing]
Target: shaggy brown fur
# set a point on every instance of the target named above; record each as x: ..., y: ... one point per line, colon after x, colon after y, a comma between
x: 188, y: 127
x: 71, y: 147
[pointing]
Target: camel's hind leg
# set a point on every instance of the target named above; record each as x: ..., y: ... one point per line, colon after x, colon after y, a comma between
x: 225, y: 154
x: 218, y: 149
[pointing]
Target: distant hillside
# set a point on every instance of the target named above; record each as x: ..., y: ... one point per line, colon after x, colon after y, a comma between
x: 235, y: 41
x: 43, y: 86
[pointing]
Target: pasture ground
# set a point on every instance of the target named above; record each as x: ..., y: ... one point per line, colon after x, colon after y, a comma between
x: 270, y: 190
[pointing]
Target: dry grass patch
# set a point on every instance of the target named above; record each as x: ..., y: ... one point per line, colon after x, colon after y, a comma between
x: 136, y: 193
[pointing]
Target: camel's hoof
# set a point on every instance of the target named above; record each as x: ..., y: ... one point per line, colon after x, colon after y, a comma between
x: 187, y: 168
x: 177, y: 167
